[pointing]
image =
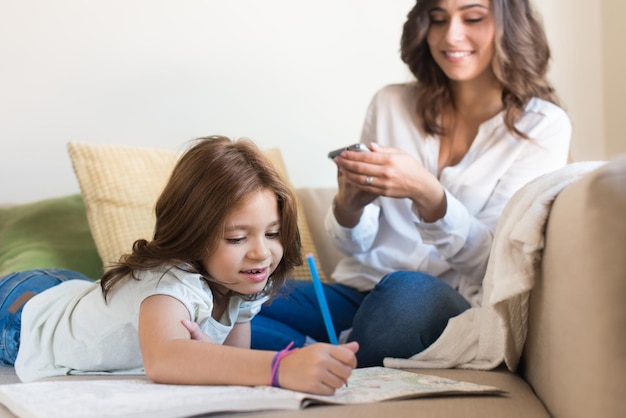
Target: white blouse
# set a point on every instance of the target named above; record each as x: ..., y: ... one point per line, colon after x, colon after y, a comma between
x: 390, y: 235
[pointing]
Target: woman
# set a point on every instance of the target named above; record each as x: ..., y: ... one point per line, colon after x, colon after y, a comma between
x: 416, y: 216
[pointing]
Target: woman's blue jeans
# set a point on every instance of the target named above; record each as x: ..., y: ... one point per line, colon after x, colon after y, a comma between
x: 404, y: 314
x: 15, y: 290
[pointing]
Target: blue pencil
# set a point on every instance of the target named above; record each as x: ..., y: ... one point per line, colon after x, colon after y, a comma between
x: 321, y: 298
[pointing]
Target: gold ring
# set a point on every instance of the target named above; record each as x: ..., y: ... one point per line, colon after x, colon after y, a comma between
x: 368, y: 180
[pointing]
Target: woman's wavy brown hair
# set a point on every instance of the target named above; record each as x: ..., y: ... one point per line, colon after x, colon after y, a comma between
x: 214, y: 176
x: 520, y: 62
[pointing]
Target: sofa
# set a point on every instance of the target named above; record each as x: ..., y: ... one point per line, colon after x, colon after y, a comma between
x: 573, y: 362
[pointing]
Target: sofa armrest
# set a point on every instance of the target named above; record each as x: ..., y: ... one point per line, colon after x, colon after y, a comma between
x: 575, y: 354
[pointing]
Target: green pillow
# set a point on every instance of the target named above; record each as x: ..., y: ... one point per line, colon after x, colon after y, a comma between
x: 49, y: 233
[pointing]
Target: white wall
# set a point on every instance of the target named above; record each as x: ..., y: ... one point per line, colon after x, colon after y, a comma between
x: 290, y: 74
x: 613, y: 13
x: 575, y: 33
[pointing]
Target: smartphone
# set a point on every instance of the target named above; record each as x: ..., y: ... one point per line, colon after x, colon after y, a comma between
x: 353, y: 147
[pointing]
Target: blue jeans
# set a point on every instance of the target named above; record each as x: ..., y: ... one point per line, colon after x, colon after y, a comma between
x: 15, y: 290
x: 404, y: 314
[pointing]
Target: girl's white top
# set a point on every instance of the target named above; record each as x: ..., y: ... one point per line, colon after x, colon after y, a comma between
x: 70, y: 329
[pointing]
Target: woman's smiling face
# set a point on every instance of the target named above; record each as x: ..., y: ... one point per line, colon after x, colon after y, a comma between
x: 461, y: 38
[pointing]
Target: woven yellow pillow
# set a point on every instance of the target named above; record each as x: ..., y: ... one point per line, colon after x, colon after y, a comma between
x: 120, y: 186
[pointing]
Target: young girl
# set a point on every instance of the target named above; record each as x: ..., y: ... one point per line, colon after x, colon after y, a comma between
x: 416, y: 216
x: 224, y: 241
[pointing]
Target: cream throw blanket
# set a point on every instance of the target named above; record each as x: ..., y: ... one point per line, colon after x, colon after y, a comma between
x: 483, y: 337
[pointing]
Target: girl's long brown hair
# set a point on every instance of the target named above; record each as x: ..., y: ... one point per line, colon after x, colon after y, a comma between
x: 211, y: 178
x: 520, y: 62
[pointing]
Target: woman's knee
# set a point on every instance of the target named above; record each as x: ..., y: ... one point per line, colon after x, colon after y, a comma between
x: 403, y: 315
x: 406, y: 291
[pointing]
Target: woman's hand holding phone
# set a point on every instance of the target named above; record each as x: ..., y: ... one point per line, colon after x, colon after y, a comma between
x: 353, y: 147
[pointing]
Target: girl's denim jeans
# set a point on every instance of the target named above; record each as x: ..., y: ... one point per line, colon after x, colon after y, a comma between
x: 15, y: 290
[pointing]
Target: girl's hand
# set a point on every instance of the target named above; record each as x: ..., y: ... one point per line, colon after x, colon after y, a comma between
x: 318, y: 368
x: 195, y: 331
x: 239, y: 336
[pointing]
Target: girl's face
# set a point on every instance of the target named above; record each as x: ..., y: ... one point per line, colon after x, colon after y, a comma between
x: 250, y: 248
x: 461, y: 38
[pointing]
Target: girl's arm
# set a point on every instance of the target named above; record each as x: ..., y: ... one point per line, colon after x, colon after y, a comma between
x: 171, y: 356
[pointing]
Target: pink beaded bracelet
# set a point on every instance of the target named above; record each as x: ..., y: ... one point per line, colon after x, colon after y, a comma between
x: 276, y: 362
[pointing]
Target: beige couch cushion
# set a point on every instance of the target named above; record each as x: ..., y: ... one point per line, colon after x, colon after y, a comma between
x: 575, y: 356
x: 120, y: 186
x: 316, y: 202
